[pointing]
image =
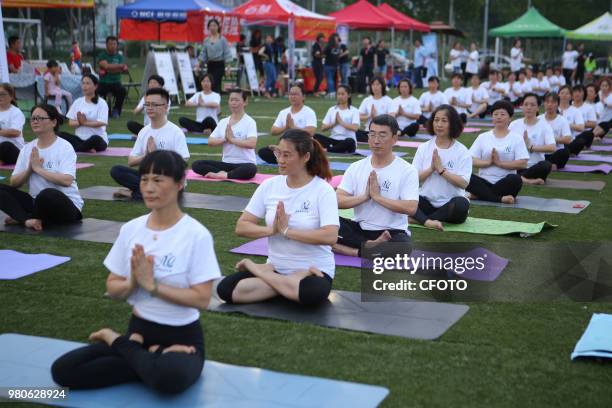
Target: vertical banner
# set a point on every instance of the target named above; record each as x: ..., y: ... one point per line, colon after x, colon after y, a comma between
x: 165, y: 69
x: 430, y: 42
x: 4, y: 74
x: 186, y: 74
x: 343, y: 32
x: 291, y: 44
x: 249, y: 64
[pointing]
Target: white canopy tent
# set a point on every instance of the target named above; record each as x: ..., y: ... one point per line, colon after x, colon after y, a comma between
x: 599, y: 29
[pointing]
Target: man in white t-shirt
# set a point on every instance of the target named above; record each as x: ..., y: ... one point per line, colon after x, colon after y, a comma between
x: 160, y: 134
x: 383, y: 190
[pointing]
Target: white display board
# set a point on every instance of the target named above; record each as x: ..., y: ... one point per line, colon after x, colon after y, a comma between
x: 164, y: 68
x: 4, y: 73
x: 249, y: 64
x: 186, y: 73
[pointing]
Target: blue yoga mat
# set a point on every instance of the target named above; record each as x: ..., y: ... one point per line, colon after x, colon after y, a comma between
x: 597, y: 338
x: 190, y: 140
x: 16, y: 265
x: 25, y: 361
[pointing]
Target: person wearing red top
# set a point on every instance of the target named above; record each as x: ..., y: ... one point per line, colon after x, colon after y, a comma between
x: 13, y: 55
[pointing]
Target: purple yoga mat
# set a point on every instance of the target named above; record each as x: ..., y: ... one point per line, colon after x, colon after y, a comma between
x: 600, y: 148
x: 495, y: 264
x: 577, y: 168
x: 16, y: 265
x: 111, y: 152
x: 607, y: 140
x: 593, y: 157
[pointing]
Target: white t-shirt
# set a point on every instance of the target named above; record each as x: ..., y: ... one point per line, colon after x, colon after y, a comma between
x: 147, y: 120
x: 607, y: 108
x: 569, y: 59
x: 398, y: 181
x: 574, y: 117
x: 461, y: 96
x: 525, y: 86
x: 409, y: 105
x: 184, y: 257
x: 599, y: 109
x: 309, y: 207
x: 516, y: 57
x: 455, y: 58
x: 97, y: 112
x: 544, y: 86
x: 562, y: 80
x: 13, y: 118
x: 479, y: 94
x: 511, y: 147
x: 553, y: 81
x: 306, y: 117
x: 167, y: 137
x: 493, y: 90
x: 204, y: 112
x: 533, y: 81
x: 456, y: 159
x: 472, y: 63
x: 243, y: 129
x: 588, y: 112
x: 515, y: 91
x: 382, y: 105
x: 436, y: 100
x: 539, y: 134
x: 57, y: 158
x: 559, y: 126
x: 339, y: 132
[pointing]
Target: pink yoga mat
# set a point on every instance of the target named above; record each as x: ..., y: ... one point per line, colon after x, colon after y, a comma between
x: 78, y: 166
x: 258, y: 179
x: 405, y: 143
x: 110, y: 152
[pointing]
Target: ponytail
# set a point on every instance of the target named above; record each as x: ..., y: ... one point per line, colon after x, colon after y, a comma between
x: 317, y: 165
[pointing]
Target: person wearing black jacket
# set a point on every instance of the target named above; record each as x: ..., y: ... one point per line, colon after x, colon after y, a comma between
x: 317, y: 62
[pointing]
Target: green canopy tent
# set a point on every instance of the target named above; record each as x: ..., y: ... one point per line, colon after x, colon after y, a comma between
x: 599, y: 29
x: 532, y: 24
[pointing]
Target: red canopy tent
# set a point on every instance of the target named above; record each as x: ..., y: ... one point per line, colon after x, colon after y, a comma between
x: 402, y: 21
x: 363, y: 15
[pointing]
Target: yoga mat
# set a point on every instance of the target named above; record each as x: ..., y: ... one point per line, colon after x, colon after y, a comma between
x: 541, y: 204
x: 495, y: 263
x: 111, y: 152
x: 406, y: 143
x: 575, y: 184
x: 190, y: 200
x: 89, y: 229
x: 596, y: 341
x: 593, y: 157
x: 79, y: 166
x: 600, y: 148
x: 364, y: 153
x: 607, y: 140
x: 16, y: 265
x: 344, y: 310
x: 577, y: 168
x: 339, y: 166
x: 121, y: 136
x: 190, y: 140
x: 259, y: 134
x: 494, y: 227
x: 258, y: 179
x: 26, y: 361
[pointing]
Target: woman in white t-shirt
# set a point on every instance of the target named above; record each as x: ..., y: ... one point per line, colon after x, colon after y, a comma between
x: 473, y: 65
x: 516, y: 57
x: 458, y: 97
x: 445, y: 167
x: 605, y: 116
x: 11, y: 125
x: 580, y: 136
x: 479, y: 97
x: 238, y: 135
x: 296, y: 116
x: 561, y: 131
x: 163, y: 263
x: 543, y: 86
x: 343, y: 121
x: 498, y: 154
x: 455, y: 57
x: 378, y: 103
x: 155, y: 81
x: 431, y: 99
x: 553, y: 81
x: 208, y: 106
x: 569, y: 62
x: 48, y: 165
x: 539, y: 139
x: 406, y: 109
x: 515, y: 90
x: 300, y: 211
x: 89, y: 116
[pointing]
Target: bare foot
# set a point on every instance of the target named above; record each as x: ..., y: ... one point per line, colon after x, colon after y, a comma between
x: 384, y: 237
x: 471, y: 196
x: 10, y: 221
x: 508, y: 199
x: 122, y: 194
x: 105, y: 335
x: 221, y: 175
x: 34, y: 223
x: 412, y: 220
x: 179, y: 348
x: 258, y: 269
x: 533, y: 182
x: 435, y: 224
x: 315, y: 271
x: 154, y: 348
x: 92, y: 151
x: 137, y: 338
x: 243, y: 265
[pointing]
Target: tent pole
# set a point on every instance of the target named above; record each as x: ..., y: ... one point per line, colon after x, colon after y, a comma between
x: 94, y: 37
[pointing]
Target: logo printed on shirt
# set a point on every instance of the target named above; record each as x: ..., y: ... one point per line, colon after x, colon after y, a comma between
x: 508, y: 149
x: 166, y: 262
x: 48, y: 165
x: 161, y: 144
x: 450, y: 164
x: 386, y: 185
x: 304, y: 207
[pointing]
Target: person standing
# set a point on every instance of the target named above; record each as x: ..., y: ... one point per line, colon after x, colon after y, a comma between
x: 472, y: 66
x: 267, y: 56
x: 381, y: 59
x: 317, y: 62
x: 215, y: 54
x: 240, y: 49
x: 13, y: 55
x: 455, y: 57
x: 332, y: 53
x: 570, y: 63
x: 516, y: 57
x: 580, y: 65
x: 345, y: 63
x: 367, y: 61
x: 112, y: 65
x: 419, y: 63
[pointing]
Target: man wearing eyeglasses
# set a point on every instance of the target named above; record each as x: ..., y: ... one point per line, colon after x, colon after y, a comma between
x: 383, y: 190
x: 160, y: 134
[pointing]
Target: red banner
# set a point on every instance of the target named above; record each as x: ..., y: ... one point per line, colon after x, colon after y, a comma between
x: 198, y: 24
x: 49, y: 3
x: 307, y: 29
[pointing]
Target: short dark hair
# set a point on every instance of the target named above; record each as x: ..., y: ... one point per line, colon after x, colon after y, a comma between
x: 52, y: 112
x: 297, y: 85
x: 531, y: 95
x: 454, y: 120
x: 12, y: 40
x: 406, y: 81
x: 434, y: 79
x: 569, y: 88
x: 552, y: 95
x: 579, y: 88
x: 505, y: 105
x: 213, y: 20
x: 243, y: 94
x: 158, y: 91
x: 111, y: 38
x: 166, y: 163
x: 493, y: 71
x: 386, y: 120
x: 457, y: 75
x: 158, y: 78
x: 52, y: 63
x: 381, y: 81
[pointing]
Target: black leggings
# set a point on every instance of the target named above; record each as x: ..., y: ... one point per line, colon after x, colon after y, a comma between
x: 129, y: 178
x: 238, y: 171
x: 94, y: 142
x: 352, y: 235
x: 266, y: 154
x: 558, y: 158
x: 198, y: 127
x: 584, y: 139
x: 216, y: 69
x: 455, y: 211
x: 411, y: 129
x: 483, y: 190
x: 99, y: 365
x: 317, y: 68
x: 605, y: 126
x: 422, y: 120
x: 8, y: 153
x: 567, y: 73
x: 540, y: 170
x: 313, y: 290
x: 362, y: 135
x: 51, y: 206
x: 134, y: 127
x: 347, y: 145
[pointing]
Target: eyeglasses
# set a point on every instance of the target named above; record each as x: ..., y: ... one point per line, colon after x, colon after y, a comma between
x: 153, y: 105
x: 38, y: 118
x: 378, y: 136
x: 280, y: 155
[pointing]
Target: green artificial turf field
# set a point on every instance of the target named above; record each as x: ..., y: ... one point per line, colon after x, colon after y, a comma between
x: 499, y: 355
